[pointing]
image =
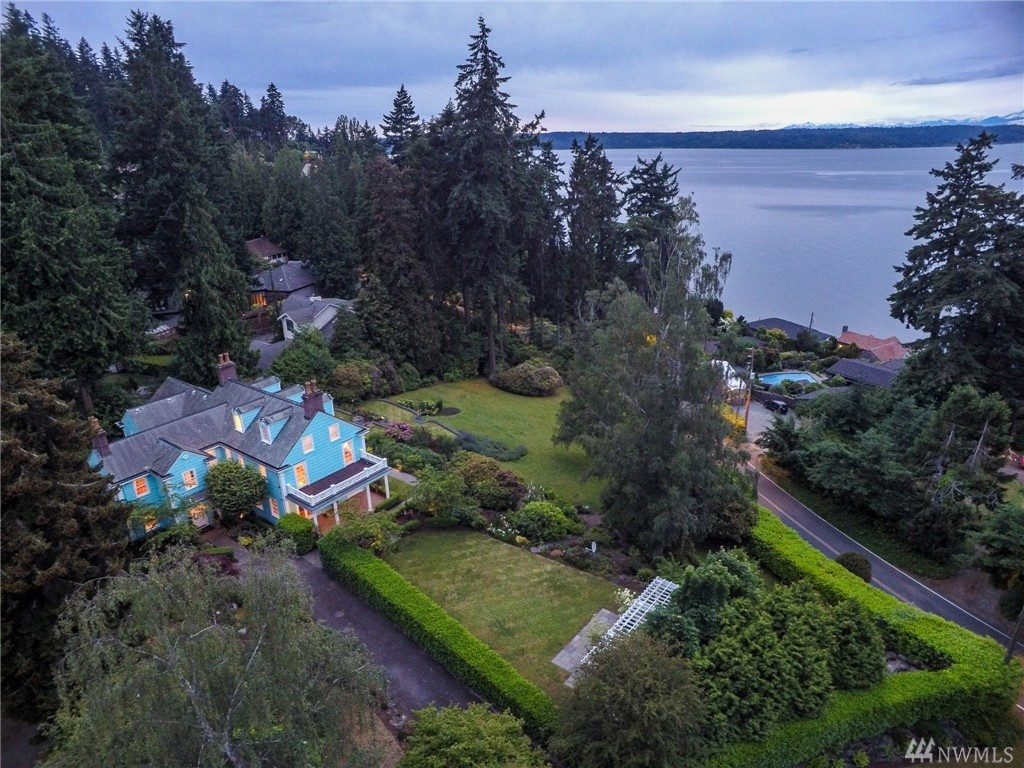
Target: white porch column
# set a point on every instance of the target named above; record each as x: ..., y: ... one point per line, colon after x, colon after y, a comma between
x: 369, y: 500
x: 337, y: 520
x: 387, y: 488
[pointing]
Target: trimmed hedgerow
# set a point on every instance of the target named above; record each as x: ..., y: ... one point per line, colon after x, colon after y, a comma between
x: 966, y: 680
x: 300, y: 530
x: 439, y: 634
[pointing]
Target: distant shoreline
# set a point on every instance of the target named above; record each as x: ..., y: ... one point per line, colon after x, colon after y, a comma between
x: 794, y: 138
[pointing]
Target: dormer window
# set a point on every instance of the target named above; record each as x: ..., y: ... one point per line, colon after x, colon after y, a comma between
x: 265, y: 433
x: 237, y: 418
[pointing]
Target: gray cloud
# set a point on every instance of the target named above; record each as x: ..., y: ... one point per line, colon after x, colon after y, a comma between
x: 603, y: 66
x: 1004, y: 69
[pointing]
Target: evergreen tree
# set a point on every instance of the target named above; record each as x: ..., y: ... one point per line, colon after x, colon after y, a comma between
x: 650, y: 201
x: 401, y: 125
x: 213, y: 297
x: 594, y: 234
x: 545, y: 271
x: 482, y: 203
x: 394, y: 305
x: 246, y: 191
x: 272, y: 119
x: 165, y: 154
x: 286, y: 204
x: 326, y: 240
x: 236, y: 111
x: 61, y: 525
x: 962, y: 284
x: 67, y: 284
x: 646, y: 406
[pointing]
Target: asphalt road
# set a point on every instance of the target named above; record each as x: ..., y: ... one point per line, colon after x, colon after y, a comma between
x: 828, y: 539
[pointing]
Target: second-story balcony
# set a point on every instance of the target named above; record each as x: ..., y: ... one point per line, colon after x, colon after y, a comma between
x: 339, y: 484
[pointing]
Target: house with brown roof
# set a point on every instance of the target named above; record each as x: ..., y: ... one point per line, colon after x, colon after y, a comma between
x: 873, y: 348
x: 264, y: 249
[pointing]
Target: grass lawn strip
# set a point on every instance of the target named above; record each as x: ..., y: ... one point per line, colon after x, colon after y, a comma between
x: 517, y: 420
x: 524, y: 606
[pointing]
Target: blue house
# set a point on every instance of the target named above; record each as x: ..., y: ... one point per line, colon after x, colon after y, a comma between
x: 312, y: 460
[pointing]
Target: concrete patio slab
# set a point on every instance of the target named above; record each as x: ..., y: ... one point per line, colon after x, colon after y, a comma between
x: 570, y: 657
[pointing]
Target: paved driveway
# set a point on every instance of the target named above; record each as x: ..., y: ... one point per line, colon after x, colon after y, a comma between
x: 415, y: 679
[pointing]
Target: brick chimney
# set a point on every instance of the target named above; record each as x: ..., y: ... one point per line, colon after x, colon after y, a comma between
x: 312, y: 400
x: 99, y: 439
x: 226, y: 370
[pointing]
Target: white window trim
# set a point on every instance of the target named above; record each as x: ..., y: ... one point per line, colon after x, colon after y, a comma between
x: 305, y: 471
x: 275, y: 510
x: 312, y: 443
x: 185, y: 476
x: 334, y: 431
x: 135, y: 486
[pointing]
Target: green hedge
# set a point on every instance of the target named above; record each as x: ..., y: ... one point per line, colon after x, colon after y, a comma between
x: 300, y: 530
x: 967, y: 681
x: 439, y: 634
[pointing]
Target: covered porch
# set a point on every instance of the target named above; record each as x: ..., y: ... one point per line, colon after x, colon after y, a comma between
x: 322, y: 500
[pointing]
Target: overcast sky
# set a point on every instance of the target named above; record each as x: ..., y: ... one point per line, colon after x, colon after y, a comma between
x: 608, y: 66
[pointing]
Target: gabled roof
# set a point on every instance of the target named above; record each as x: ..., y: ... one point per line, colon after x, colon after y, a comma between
x: 286, y: 278
x: 883, y: 350
x: 308, y: 312
x: 263, y: 248
x: 196, y: 419
x: 863, y: 372
x: 788, y: 327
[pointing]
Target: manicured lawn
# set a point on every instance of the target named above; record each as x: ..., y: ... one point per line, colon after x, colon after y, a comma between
x: 526, y: 607
x: 518, y: 420
x: 871, y: 533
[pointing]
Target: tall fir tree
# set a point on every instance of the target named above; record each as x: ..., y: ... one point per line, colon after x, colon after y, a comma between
x: 67, y: 283
x: 326, y: 239
x: 213, y: 296
x: 962, y: 284
x: 286, y: 203
x: 482, y: 201
x: 595, y: 236
x: 401, y: 125
x: 62, y: 527
x: 166, y: 151
x: 395, y: 304
x: 272, y: 119
x: 650, y: 202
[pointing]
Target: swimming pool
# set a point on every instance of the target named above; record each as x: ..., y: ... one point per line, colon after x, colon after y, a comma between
x: 771, y: 379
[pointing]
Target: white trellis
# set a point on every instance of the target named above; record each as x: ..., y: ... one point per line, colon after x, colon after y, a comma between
x: 657, y: 593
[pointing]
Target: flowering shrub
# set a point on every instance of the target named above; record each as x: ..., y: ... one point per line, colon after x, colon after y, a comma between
x: 399, y: 430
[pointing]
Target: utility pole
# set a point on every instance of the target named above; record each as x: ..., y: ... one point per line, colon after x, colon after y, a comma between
x: 750, y: 387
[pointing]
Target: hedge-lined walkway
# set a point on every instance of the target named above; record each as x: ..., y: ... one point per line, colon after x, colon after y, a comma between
x: 416, y: 680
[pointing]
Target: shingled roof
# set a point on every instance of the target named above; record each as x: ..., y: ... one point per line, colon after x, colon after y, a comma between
x: 788, y: 327
x: 195, y: 419
x: 286, y: 278
x: 863, y: 372
x: 882, y: 350
x: 263, y: 248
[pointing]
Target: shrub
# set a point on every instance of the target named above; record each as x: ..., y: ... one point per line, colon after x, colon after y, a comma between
x: 454, y: 737
x: 376, y: 530
x: 488, y: 482
x: 350, y: 381
x: 409, y: 377
x: 234, y: 489
x: 444, y: 444
x: 860, y: 659
x: 439, y: 634
x: 406, y: 458
x: 542, y: 521
x: 970, y: 685
x: 426, y: 407
x: 486, y: 446
x: 306, y: 357
x: 529, y: 379
x: 300, y: 530
x: 856, y: 564
x: 444, y: 495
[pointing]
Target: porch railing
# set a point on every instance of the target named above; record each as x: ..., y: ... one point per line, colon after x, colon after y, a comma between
x: 311, y: 501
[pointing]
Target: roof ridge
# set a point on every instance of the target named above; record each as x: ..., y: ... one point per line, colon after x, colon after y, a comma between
x: 148, y: 431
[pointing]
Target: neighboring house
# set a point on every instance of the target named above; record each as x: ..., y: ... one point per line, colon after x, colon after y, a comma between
x: 312, y: 460
x: 866, y: 372
x: 872, y: 348
x: 265, y: 250
x: 290, y: 278
x: 788, y: 327
x: 299, y: 312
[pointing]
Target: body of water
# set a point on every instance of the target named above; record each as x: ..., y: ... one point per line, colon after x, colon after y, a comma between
x: 811, y: 231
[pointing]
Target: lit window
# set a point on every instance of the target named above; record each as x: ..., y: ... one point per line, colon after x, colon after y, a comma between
x: 347, y: 452
x: 334, y: 431
x: 307, y: 443
x: 141, y: 486
x: 228, y: 454
x: 263, y: 470
x: 239, y: 426
x: 241, y: 460
x: 274, y: 509
x: 150, y: 524
x: 188, y: 477
x: 259, y: 300
x: 301, y: 478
